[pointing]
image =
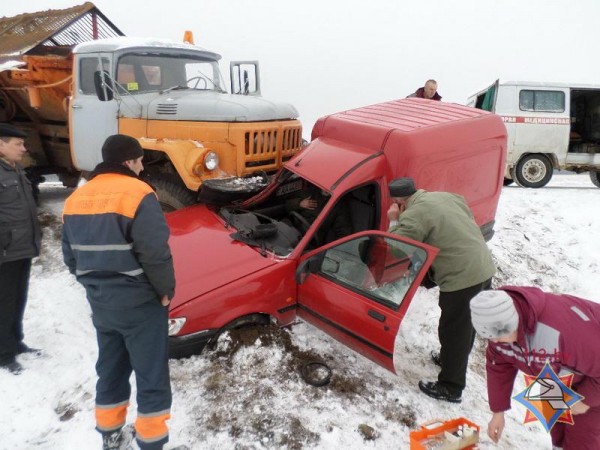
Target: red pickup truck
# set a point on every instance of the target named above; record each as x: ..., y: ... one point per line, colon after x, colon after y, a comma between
x: 258, y: 260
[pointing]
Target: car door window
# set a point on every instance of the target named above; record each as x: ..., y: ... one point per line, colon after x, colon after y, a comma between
x: 377, y: 267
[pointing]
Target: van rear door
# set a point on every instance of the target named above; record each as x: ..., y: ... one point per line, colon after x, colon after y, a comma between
x: 485, y: 99
x: 358, y: 289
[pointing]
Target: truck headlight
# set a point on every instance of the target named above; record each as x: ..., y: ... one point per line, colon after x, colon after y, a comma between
x: 211, y: 161
x: 175, y: 325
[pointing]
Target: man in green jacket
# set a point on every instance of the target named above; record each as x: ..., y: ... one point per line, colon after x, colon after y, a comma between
x: 462, y: 269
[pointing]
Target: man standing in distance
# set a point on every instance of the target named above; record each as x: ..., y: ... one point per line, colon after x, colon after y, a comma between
x: 20, y: 239
x: 429, y: 91
x: 115, y: 242
x: 462, y: 269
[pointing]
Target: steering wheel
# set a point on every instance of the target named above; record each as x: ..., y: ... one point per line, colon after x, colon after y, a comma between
x: 198, y: 79
x: 300, y: 222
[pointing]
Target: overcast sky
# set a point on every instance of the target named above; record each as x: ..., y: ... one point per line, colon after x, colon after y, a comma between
x: 326, y: 56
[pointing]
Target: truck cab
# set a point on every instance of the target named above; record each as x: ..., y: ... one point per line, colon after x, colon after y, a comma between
x: 171, y: 96
x: 74, y: 81
x: 550, y: 126
x: 257, y: 260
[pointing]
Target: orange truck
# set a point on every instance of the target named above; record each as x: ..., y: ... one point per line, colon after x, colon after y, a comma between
x: 70, y: 78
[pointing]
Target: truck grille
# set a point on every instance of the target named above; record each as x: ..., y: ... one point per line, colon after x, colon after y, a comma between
x: 268, y: 147
x: 166, y: 108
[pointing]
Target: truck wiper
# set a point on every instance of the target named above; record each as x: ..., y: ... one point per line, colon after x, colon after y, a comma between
x: 174, y: 88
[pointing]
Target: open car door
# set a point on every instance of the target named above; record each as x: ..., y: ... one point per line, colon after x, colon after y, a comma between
x: 357, y: 289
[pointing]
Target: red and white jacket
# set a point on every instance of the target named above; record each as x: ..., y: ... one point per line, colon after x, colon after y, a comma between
x: 561, y: 329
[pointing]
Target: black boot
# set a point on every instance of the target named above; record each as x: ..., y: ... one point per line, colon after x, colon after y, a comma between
x: 119, y: 439
x: 12, y: 366
x: 22, y: 347
x: 438, y: 391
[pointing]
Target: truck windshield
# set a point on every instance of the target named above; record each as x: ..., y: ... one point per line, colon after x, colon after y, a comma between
x: 146, y: 72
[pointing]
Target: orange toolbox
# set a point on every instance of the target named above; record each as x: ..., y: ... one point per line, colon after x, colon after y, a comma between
x: 451, y: 434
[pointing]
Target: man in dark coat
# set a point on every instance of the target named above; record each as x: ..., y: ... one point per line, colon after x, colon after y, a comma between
x: 20, y: 238
x: 429, y: 91
x: 115, y: 240
x: 527, y: 328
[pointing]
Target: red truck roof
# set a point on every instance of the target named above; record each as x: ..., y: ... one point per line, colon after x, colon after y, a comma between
x: 443, y: 146
x: 369, y: 126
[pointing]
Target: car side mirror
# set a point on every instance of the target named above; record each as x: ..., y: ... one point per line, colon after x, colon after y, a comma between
x: 308, y: 266
x: 103, y: 85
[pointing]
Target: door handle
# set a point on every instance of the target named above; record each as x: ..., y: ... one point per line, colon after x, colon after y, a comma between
x: 76, y: 106
x: 377, y: 315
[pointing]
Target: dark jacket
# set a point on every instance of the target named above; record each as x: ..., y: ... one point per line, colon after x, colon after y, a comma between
x: 444, y: 220
x: 420, y: 93
x: 563, y: 329
x: 115, y: 240
x: 20, y: 234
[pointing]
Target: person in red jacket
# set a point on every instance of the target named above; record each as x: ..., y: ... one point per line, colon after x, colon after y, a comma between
x: 429, y: 91
x: 527, y: 327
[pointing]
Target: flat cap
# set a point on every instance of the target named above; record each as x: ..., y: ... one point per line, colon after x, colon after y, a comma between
x: 402, y: 187
x: 7, y: 130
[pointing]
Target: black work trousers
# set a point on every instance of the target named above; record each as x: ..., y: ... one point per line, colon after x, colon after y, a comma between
x: 14, y: 282
x: 456, y: 334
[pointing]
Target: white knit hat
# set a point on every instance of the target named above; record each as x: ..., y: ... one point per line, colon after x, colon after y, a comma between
x: 493, y: 314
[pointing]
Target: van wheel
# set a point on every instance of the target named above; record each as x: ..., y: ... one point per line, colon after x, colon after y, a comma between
x: 595, y: 177
x: 533, y: 171
x: 172, y: 193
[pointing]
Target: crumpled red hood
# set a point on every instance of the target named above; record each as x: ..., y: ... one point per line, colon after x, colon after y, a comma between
x: 205, y: 256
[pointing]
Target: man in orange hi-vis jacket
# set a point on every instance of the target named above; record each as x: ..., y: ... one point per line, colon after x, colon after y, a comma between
x: 115, y: 242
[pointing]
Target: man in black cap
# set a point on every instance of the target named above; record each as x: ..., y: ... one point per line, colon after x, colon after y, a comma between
x: 462, y: 269
x: 115, y: 240
x: 20, y: 238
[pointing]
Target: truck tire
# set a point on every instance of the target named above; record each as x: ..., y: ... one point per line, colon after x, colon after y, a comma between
x: 533, y: 171
x: 172, y: 193
x: 508, y: 181
x: 595, y: 177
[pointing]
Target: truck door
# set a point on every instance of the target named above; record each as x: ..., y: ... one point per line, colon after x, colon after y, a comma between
x: 91, y: 120
x: 357, y: 289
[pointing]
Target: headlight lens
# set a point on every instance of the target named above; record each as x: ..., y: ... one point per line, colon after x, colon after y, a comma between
x: 211, y: 160
x: 175, y: 325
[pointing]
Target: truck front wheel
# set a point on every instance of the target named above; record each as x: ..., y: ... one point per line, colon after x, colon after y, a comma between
x: 533, y: 171
x: 595, y: 177
x: 172, y: 193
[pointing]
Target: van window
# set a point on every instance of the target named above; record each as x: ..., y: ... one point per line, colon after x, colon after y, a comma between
x: 549, y: 101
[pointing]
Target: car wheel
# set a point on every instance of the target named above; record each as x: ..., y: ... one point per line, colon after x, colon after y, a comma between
x: 595, y: 177
x: 172, y: 193
x: 533, y: 171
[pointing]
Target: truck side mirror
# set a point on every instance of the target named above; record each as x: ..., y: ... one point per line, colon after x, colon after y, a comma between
x: 245, y: 78
x: 103, y: 85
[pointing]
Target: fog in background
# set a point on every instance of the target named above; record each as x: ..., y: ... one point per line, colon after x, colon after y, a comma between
x: 326, y: 56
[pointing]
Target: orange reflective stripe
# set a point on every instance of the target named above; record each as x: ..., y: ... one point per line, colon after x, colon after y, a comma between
x: 108, y: 193
x: 111, y: 417
x: 150, y: 429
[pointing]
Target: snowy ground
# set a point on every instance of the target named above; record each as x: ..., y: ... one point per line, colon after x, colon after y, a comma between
x: 247, y: 394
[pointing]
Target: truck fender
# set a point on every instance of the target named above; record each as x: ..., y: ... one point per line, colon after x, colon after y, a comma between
x: 186, y: 155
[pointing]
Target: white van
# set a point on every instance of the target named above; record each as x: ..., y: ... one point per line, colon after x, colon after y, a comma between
x: 550, y: 126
